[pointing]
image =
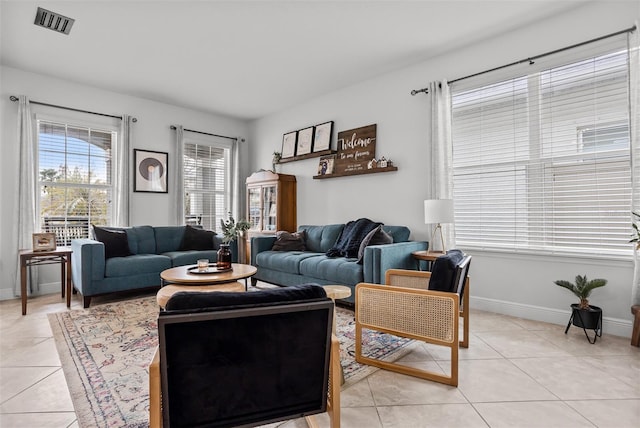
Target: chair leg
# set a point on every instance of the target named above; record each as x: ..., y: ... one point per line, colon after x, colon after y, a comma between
x: 464, y: 313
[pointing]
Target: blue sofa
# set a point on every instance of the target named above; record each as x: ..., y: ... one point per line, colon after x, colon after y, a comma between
x: 153, y: 249
x: 286, y: 268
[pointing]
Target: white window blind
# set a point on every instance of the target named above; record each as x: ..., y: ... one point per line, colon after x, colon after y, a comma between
x: 206, y: 182
x: 542, y: 161
x: 74, y: 176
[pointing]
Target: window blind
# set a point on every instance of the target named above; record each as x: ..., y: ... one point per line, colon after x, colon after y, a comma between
x: 206, y: 182
x: 541, y: 160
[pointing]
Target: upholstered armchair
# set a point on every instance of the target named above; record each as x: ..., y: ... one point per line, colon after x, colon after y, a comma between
x: 418, y: 305
x: 245, y: 359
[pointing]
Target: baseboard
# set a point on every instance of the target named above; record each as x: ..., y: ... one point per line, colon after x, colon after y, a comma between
x: 613, y: 326
x: 49, y: 288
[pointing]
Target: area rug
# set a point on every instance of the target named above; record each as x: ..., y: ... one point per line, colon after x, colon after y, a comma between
x: 105, y: 351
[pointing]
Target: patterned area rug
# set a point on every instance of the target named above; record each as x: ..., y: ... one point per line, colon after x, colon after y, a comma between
x: 105, y: 351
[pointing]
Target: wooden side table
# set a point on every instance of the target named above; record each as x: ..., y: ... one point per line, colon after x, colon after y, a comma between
x: 30, y: 258
x: 428, y: 256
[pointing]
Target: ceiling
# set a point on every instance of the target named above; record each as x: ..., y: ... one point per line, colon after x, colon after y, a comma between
x: 248, y: 59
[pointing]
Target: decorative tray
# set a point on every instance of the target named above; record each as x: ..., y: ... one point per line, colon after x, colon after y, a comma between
x: 211, y: 269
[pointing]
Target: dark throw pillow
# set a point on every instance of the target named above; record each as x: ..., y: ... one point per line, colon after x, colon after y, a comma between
x: 286, y: 241
x: 197, y: 239
x: 115, y: 242
x: 377, y: 236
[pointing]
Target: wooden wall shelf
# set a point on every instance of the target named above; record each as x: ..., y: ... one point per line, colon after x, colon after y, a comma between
x: 364, y: 171
x: 307, y: 156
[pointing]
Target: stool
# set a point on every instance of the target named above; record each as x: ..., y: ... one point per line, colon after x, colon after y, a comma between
x: 635, y: 336
x: 165, y: 293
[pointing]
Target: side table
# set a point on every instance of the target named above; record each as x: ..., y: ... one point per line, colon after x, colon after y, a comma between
x: 61, y: 255
x: 428, y: 256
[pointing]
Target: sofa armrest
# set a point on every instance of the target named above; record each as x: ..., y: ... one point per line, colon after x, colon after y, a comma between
x: 260, y: 244
x: 87, y: 263
x: 379, y: 258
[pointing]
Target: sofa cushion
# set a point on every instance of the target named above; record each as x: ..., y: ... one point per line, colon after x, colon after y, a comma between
x: 286, y: 241
x: 338, y: 270
x: 284, y: 261
x: 168, y: 238
x: 319, y: 239
x: 116, y: 243
x: 376, y: 237
x: 191, y: 257
x: 136, y: 264
x: 197, y: 239
x: 142, y: 239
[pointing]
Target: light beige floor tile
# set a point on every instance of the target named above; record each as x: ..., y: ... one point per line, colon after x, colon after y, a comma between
x: 575, y: 343
x: 523, y: 344
x: 575, y: 379
x: 533, y: 325
x: 609, y: 413
x: 431, y: 415
x: 14, y: 380
x: 392, y: 389
x: 354, y: 417
x: 48, y: 395
x: 533, y: 414
x: 477, y: 350
x: 39, y: 420
x: 43, y: 353
x: 498, y: 380
x: 357, y: 395
x: 626, y: 369
x: 487, y: 321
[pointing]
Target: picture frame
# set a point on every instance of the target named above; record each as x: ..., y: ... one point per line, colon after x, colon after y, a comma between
x: 289, y: 141
x: 305, y: 141
x: 44, y: 241
x: 326, y: 164
x: 150, y: 171
x: 322, y: 136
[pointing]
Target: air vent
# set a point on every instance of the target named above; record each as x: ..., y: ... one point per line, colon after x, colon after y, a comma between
x: 53, y: 21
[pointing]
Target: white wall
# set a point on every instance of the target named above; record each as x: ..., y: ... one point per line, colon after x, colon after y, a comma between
x: 513, y: 284
x: 151, y: 132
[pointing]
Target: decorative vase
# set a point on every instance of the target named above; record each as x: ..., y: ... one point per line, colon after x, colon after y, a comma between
x: 224, y: 257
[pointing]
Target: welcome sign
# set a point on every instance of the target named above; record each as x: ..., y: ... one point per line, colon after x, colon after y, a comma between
x: 356, y: 147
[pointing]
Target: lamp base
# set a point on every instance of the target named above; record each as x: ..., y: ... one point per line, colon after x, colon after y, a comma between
x: 438, y: 227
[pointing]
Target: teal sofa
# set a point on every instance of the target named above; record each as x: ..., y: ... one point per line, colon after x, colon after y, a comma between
x: 287, y: 268
x: 153, y: 249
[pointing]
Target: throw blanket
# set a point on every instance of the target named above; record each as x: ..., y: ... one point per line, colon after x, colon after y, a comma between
x: 351, y: 237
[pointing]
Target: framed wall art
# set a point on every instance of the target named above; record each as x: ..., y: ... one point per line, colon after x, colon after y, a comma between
x: 150, y: 171
x: 305, y: 141
x: 289, y: 144
x: 44, y: 241
x: 325, y: 165
x: 322, y: 137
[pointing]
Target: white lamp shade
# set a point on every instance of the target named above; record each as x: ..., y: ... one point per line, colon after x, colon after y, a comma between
x: 438, y: 211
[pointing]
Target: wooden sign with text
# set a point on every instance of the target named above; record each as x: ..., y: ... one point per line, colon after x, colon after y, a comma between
x: 356, y: 147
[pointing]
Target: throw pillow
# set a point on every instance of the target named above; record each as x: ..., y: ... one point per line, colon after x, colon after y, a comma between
x: 197, y: 239
x: 377, y: 236
x: 115, y: 242
x: 286, y: 241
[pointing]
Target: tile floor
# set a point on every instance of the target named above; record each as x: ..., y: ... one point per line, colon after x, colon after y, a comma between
x: 515, y: 373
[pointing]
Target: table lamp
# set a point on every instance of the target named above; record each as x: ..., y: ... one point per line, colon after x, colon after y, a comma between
x: 438, y: 211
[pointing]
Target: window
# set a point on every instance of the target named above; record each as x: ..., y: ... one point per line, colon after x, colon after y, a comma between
x: 207, y: 178
x: 542, y: 162
x: 74, y: 178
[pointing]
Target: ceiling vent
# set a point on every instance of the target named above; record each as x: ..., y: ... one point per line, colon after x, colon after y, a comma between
x: 53, y: 21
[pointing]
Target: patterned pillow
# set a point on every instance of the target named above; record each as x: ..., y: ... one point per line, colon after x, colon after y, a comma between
x: 286, y: 241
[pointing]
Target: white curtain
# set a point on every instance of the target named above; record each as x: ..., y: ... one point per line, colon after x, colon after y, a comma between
x: 27, y: 212
x: 237, y: 207
x: 121, y: 183
x: 177, y: 183
x: 441, y: 151
x: 634, y: 98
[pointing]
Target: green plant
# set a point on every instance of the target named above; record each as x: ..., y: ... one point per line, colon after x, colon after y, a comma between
x: 636, y: 230
x: 276, y: 157
x: 582, y: 288
x: 231, y: 229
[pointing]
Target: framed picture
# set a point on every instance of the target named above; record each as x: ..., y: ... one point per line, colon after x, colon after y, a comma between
x: 44, y: 241
x: 325, y: 165
x: 322, y: 136
x: 150, y: 171
x: 305, y: 141
x: 289, y: 144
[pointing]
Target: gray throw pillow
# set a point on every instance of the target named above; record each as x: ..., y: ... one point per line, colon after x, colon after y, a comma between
x: 286, y: 241
x: 376, y: 237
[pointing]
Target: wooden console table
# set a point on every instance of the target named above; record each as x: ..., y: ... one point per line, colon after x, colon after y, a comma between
x: 30, y: 258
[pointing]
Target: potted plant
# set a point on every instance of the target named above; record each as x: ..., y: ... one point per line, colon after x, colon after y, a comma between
x: 276, y: 159
x: 583, y: 314
x: 231, y: 231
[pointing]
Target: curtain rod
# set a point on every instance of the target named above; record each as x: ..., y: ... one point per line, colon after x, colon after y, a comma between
x: 207, y: 133
x: 14, y: 99
x: 531, y: 59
